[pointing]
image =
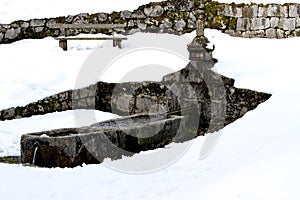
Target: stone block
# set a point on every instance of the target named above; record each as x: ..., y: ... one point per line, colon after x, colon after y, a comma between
x: 262, y: 12
x: 231, y: 11
x: 280, y: 34
x: 8, y: 113
x: 1, y: 37
x: 183, y: 5
x: 24, y: 25
x: 243, y: 24
x: 271, y: 33
x: 260, y: 23
x: 138, y: 14
x: 12, y: 33
x: 275, y: 10
x: 166, y: 24
x: 179, y: 25
x: 38, y: 29
x: 293, y: 11
x: 249, y: 11
x: 153, y: 11
x: 125, y: 14
x: 298, y: 22
x: 141, y: 25
x: 102, y: 17
x: 287, y: 24
x: 274, y: 22
x: 37, y: 22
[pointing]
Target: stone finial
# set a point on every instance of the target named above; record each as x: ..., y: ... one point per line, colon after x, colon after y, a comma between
x: 200, y: 28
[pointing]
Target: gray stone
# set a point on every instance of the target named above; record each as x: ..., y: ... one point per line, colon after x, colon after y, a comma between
x: 262, y: 12
x: 166, y: 24
x: 24, y: 25
x: 125, y: 14
x: 191, y: 24
x: 183, y: 5
x: 8, y: 113
x: 154, y: 11
x: 12, y: 33
x: 141, y: 25
x: 280, y: 34
x: 293, y: 11
x: 81, y: 18
x: 275, y: 10
x: 102, y: 17
x: 138, y: 14
x: 253, y: 34
x: 69, y: 19
x: 1, y: 37
x: 192, y: 17
x: 274, y: 22
x: 37, y: 22
x: 260, y: 23
x: 287, y: 24
x: 250, y: 11
x: 38, y: 29
x: 51, y: 22
x: 243, y: 24
x: 298, y: 22
x: 131, y: 23
x: 271, y: 33
x: 179, y: 25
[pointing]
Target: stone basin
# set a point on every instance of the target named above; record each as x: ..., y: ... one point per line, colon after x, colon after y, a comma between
x: 113, y: 139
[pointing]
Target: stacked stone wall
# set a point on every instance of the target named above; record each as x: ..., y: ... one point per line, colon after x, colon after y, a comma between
x: 172, y: 16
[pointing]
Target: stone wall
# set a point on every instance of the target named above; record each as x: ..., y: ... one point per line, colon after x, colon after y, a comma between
x: 172, y: 16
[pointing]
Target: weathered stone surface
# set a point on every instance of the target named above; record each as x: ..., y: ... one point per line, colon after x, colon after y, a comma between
x: 260, y: 23
x: 38, y: 29
x: 184, y: 5
x: 37, y: 22
x: 166, y: 24
x: 250, y: 11
x: 298, y: 22
x: 25, y: 24
x: 102, y: 17
x: 287, y: 24
x: 294, y: 11
x: 8, y: 113
x: 275, y: 10
x: 141, y: 25
x: 233, y: 11
x: 274, y: 22
x: 253, y: 34
x: 138, y: 14
x: 12, y: 33
x: 1, y: 37
x: 179, y: 25
x: 271, y: 33
x: 280, y: 34
x: 262, y: 11
x: 153, y: 11
x: 91, y: 145
x: 125, y: 14
x: 82, y: 18
x: 243, y: 24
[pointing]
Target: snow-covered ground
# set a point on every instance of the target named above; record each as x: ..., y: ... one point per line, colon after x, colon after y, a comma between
x: 257, y: 156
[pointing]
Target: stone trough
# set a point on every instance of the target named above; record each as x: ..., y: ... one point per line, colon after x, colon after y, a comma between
x: 113, y: 139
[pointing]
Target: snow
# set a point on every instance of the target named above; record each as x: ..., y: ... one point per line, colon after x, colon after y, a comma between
x: 257, y: 156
